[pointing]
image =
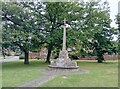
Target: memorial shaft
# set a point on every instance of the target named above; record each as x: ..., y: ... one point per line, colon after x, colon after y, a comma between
x: 64, y: 36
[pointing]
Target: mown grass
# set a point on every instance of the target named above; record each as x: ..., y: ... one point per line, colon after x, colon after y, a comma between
x: 0, y: 75
x: 16, y: 73
x: 100, y: 75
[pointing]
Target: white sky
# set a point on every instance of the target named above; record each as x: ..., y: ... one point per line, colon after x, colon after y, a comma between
x: 113, y: 10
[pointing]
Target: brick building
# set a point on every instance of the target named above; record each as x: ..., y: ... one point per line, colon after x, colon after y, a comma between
x: 38, y: 55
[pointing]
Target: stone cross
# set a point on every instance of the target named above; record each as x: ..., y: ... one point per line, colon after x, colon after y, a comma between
x: 64, y: 36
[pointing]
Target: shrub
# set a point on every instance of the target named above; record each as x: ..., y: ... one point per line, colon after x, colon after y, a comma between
x: 21, y: 56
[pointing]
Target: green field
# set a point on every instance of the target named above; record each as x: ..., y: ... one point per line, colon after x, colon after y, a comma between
x: 16, y: 73
x: 100, y: 74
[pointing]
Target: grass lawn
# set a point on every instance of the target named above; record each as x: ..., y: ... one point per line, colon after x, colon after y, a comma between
x: 15, y: 73
x: 100, y: 75
x: 0, y: 75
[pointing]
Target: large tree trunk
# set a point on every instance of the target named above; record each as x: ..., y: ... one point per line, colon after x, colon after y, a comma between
x: 49, y: 53
x: 26, y: 60
x: 100, y: 59
x: 3, y: 53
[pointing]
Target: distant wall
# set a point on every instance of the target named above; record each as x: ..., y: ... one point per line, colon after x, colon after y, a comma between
x: 88, y: 58
x: 110, y: 57
x: 42, y: 55
x: 38, y: 55
x: 106, y: 57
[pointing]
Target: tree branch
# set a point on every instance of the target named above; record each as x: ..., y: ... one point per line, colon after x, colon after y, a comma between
x: 5, y: 17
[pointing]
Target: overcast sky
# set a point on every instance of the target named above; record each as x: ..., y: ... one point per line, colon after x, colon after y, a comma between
x: 113, y: 10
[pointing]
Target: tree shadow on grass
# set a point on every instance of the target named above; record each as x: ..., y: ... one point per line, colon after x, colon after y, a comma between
x: 95, y: 61
x: 20, y: 64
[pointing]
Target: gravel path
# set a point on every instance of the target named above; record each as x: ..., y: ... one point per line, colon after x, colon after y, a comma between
x: 14, y: 58
x: 50, y: 74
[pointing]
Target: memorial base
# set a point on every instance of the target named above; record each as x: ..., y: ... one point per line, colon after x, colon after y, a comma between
x: 63, y: 62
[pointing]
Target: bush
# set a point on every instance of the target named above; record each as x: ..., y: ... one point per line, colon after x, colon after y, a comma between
x: 73, y: 57
x: 21, y: 57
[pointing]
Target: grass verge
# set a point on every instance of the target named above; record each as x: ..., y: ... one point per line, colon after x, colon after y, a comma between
x: 16, y: 73
x: 101, y: 75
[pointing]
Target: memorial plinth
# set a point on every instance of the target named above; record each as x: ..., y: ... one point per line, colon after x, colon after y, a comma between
x: 63, y: 61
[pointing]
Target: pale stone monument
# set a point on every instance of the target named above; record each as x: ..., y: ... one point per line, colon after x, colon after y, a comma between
x: 63, y: 61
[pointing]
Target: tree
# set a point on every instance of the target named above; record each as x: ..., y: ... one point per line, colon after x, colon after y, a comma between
x: 43, y: 22
x: 103, y: 39
x: 118, y: 30
x: 20, y: 29
x: 53, y: 16
x: 96, y: 29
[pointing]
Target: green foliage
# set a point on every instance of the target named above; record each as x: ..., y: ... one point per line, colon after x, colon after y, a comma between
x: 118, y: 30
x: 19, y: 26
x: 21, y: 56
x: 89, y: 26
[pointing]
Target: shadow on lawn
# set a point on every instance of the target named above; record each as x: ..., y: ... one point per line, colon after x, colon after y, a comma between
x: 95, y: 61
x: 39, y: 63
x: 20, y: 64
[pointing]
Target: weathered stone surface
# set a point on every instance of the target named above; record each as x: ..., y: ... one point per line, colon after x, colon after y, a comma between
x: 63, y: 54
x: 63, y: 61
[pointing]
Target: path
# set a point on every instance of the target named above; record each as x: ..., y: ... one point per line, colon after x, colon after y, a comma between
x: 14, y: 58
x: 49, y: 75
